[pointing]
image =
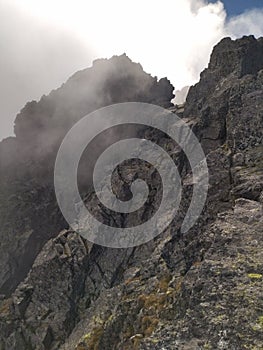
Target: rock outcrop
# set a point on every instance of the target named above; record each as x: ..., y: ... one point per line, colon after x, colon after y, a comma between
x: 200, y: 290
x: 29, y: 216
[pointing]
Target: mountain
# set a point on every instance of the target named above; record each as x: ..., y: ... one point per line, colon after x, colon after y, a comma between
x: 200, y: 290
x: 28, y: 211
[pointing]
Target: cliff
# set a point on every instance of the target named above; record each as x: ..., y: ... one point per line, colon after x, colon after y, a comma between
x: 200, y: 290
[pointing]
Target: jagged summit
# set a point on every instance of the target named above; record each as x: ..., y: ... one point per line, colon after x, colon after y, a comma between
x: 231, y: 59
x: 27, y: 160
x: 108, y: 81
x: 242, y: 56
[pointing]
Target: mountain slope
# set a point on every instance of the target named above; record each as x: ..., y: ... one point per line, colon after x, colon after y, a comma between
x: 200, y: 290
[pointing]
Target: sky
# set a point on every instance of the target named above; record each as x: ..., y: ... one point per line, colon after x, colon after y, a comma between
x: 236, y: 7
x: 43, y: 42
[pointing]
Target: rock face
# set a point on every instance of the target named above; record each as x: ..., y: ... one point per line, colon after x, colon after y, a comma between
x: 200, y: 290
x: 28, y: 212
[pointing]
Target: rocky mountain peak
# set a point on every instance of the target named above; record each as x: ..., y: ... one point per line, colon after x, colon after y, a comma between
x: 27, y: 160
x: 230, y: 60
x: 200, y: 290
x: 108, y: 81
x: 241, y: 57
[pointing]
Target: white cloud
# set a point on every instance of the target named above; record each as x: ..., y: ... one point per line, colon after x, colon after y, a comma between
x: 169, y: 38
x: 172, y: 38
x: 250, y: 22
x: 35, y: 58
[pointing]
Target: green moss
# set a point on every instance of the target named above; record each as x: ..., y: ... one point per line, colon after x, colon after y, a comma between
x: 207, y: 346
x: 255, y: 275
x: 92, y: 339
x: 260, y: 321
x: 258, y: 326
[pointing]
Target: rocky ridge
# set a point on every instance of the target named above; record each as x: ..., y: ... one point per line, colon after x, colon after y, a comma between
x: 201, y: 290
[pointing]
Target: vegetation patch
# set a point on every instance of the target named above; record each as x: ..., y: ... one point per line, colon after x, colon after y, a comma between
x: 255, y: 276
x: 5, y: 307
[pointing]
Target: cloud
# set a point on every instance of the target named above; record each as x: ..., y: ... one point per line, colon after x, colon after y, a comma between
x: 35, y: 58
x: 250, y: 22
x: 43, y: 42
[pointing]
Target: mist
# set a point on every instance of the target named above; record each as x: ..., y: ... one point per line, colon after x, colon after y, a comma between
x: 44, y: 43
x: 32, y: 61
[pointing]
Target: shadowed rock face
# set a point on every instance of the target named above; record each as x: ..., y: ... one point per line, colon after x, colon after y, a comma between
x: 106, y: 82
x: 28, y: 212
x: 201, y: 290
